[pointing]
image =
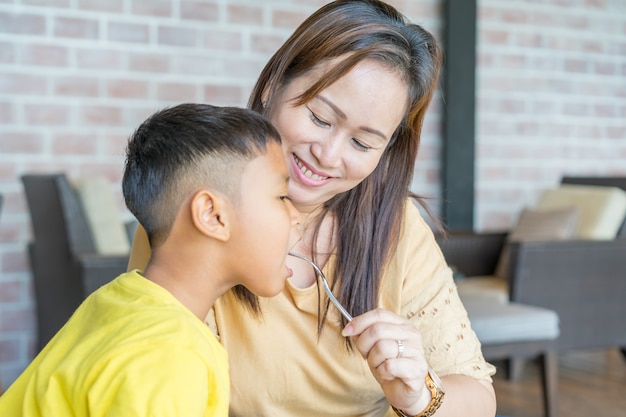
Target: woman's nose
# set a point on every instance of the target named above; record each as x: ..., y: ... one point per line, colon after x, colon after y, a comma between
x: 327, y: 151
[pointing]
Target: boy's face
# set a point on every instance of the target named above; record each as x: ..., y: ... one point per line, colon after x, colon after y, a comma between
x: 264, y: 228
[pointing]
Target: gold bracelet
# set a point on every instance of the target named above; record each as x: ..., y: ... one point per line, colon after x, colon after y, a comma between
x: 434, y: 385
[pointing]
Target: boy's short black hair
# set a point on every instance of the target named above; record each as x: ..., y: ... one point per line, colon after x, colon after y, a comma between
x: 181, y: 149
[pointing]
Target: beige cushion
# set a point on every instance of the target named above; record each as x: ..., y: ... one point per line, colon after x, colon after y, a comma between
x: 486, y: 288
x: 103, y: 216
x: 602, y: 209
x: 511, y: 322
x: 539, y: 225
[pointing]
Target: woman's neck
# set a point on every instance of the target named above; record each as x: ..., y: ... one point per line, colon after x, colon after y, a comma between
x: 304, y: 276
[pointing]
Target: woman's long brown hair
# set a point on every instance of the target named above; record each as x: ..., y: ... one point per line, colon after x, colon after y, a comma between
x: 369, y: 216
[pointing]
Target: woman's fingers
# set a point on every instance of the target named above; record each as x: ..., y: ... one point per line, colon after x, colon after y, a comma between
x: 381, y: 334
x: 393, y: 348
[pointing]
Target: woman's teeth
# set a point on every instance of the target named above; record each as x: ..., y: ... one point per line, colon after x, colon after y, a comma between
x: 308, y: 173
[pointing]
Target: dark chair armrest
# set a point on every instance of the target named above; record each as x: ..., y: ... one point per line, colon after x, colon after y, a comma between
x: 472, y: 253
x: 97, y: 270
x: 583, y: 281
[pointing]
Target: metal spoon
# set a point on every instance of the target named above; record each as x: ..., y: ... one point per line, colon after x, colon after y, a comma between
x: 320, y: 274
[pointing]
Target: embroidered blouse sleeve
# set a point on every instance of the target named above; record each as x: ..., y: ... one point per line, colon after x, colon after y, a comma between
x: 418, y: 285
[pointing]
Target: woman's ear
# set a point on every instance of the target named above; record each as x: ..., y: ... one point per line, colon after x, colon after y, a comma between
x: 209, y: 214
x: 265, y: 97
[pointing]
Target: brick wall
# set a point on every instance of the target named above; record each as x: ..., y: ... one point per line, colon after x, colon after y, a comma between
x: 77, y: 76
x: 551, y: 99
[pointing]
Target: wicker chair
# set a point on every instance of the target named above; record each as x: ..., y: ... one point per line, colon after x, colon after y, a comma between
x: 64, y: 261
x: 583, y: 281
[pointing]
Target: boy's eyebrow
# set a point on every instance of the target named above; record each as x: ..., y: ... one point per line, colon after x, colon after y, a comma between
x: 342, y: 115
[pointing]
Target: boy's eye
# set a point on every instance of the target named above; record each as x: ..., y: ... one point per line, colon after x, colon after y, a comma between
x: 284, y: 198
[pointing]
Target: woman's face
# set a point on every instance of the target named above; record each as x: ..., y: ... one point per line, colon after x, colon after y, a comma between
x: 335, y: 141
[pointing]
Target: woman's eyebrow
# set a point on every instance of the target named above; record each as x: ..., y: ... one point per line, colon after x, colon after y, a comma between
x: 342, y: 115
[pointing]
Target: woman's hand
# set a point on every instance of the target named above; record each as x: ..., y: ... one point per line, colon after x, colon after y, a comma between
x: 393, y: 348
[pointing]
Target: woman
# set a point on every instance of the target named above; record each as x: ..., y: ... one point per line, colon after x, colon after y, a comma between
x: 348, y: 92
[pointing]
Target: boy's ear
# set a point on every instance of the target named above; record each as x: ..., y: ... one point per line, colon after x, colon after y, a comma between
x: 209, y: 214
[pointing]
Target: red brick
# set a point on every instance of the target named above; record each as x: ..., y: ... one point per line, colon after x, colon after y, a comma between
x: 195, y: 10
x: 45, y: 55
x: 7, y: 53
x: 74, y: 144
x: 616, y: 132
x: 10, y: 291
x: 605, y: 68
x: 176, y: 92
x: 22, y: 24
x: 576, y: 109
x: 14, y: 261
x: 226, y: 41
x: 223, y: 95
x: 115, y: 145
x: 177, y: 36
x: 101, y: 115
x: 46, y: 114
x: 286, y: 19
x: 514, y: 60
x: 550, y: 63
x: 76, y: 86
x: 417, y: 10
x: 152, y: 7
x: 16, y: 320
x: 514, y: 16
x: 136, y: 115
x: 48, y: 3
x: 11, y: 232
x: 10, y: 350
x: 7, y: 113
x: 149, y: 62
x: 127, y: 89
x: 576, y: 22
x: 590, y: 45
x: 576, y: 65
x: 14, y: 202
x: 605, y: 110
x: 17, y: 142
x: 248, y: 15
x: 266, y: 43
x: 128, y: 32
x: 544, y: 19
x: 102, y: 6
x: 598, y: 4
x: 530, y: 40
x: 498, y: 37
x: 68, y: 27
x: 99, y: 58
x: 112, y: 172
x: 244, y: 68
x: 512, y: 106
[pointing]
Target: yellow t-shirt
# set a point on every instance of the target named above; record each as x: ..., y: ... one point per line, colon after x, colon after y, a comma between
x: 130, y: 349
x: 279, y: 367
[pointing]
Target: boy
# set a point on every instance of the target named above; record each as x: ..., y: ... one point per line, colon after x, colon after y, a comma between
x: 209, y: 185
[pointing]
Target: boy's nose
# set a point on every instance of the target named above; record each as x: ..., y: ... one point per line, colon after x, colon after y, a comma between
x: 294, y: 214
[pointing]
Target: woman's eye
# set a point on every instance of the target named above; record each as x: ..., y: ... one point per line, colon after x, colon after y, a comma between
x: 360, y: 145
x: 318, y: 121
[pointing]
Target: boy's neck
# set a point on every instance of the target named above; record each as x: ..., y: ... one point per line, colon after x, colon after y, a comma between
x: 193, y: 288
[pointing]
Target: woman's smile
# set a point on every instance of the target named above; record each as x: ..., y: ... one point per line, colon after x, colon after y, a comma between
x: 309, y: 175
x: 334, y: 141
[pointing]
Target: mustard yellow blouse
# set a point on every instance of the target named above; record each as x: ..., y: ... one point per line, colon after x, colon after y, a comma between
x: 279, y: 367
